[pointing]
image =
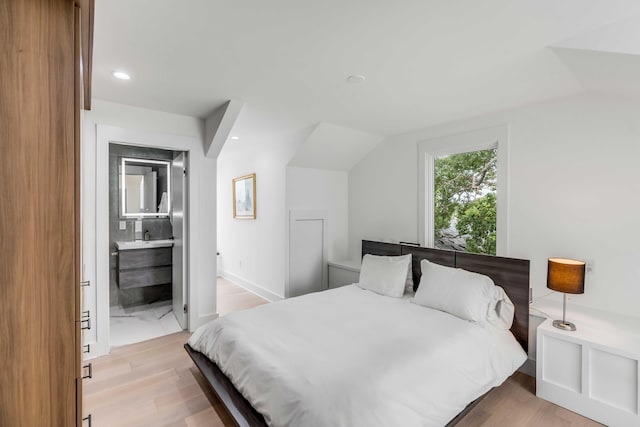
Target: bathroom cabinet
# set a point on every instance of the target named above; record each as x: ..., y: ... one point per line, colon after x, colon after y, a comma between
x: 138, y: 268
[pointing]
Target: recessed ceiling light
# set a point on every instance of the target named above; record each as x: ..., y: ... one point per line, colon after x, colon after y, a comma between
x: 121, y: 75
x: 235, y: 138
x: 356, y: 79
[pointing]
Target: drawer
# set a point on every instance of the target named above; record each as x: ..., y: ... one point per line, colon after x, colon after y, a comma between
x: 140, y: 258
x: 129, y: 279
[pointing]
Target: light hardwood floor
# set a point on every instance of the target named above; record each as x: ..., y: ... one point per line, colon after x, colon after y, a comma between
x: 154, y: 383
x: 233, y: 298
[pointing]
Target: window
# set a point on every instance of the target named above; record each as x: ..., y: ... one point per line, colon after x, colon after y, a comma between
x: 465, y: 201
x: 463, y: 191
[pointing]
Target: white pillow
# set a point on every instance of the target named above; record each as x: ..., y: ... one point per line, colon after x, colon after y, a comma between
x: 501, y: 311
x: 459, y: 292
x: 385, y: 275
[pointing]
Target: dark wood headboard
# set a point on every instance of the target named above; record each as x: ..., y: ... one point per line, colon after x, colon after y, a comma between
x: 509, y: 273
x: 381, y: 248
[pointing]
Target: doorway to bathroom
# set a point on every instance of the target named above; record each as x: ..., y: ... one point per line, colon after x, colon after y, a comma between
x: 147, y: 240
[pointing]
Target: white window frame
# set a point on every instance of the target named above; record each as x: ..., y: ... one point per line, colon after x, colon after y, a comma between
x: 476, y: 140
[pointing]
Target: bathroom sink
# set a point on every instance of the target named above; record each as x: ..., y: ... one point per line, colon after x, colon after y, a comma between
x: 142, y: 244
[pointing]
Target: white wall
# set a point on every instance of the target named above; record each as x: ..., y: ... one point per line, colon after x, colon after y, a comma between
x: 125, y: 116
x: 113, y: 122
x: 574, y: 187
x: 252, y: 252
x: 318, y: 189
x: 383, y: 195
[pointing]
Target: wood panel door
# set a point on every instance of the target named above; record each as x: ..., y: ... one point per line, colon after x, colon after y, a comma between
x: 39, y: 217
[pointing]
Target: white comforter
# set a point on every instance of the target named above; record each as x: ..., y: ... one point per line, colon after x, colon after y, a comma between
x: 350, y: 357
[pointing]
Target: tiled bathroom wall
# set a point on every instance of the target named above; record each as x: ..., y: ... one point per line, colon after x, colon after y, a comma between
x: 159, y: 228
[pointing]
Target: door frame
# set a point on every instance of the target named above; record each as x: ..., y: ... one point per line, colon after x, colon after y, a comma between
x: 105, y: 135
x: 308, y: 215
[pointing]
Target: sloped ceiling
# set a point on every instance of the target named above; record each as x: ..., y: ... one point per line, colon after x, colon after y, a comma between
x: 604, y: 72
x: 334, y: 147
x: 425, y: 61
x: 607, y: 59
x: 619, y: 37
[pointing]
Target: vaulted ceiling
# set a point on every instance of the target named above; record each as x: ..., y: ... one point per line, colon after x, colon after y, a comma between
x: 425, y: 61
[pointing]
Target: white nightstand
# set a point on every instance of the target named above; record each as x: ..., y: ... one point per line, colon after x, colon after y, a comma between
x: 593, y: 371
x: 343, y: 273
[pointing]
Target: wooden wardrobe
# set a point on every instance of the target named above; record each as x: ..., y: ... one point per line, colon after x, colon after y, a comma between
x: 45, y: 67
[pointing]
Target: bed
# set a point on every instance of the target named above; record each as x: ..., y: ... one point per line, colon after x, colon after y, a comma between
x: 335, y: 382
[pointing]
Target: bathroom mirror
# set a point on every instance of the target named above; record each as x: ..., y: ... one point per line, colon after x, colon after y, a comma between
x: 145, y: 189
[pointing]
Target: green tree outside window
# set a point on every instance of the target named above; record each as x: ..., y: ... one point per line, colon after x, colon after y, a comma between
x: 465, y: 201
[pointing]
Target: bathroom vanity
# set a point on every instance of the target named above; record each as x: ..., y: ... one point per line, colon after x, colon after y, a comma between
x: 144, y: 263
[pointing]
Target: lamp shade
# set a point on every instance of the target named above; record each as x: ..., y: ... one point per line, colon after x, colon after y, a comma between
x: 566, y: 275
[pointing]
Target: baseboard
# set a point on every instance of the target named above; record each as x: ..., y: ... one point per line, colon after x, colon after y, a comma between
x: 251, y: 287
x: 529, y: 367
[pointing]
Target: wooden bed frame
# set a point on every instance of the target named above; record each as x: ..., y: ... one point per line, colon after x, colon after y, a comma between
x: 509, y: 273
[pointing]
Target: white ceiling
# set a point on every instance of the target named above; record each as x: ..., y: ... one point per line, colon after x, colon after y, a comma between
x: 425, y: 61
x: 619, y: 37
x: 334, y: 147
x: 604, y: 72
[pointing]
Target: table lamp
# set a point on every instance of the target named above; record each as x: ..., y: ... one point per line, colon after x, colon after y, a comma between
x: 566, y: 276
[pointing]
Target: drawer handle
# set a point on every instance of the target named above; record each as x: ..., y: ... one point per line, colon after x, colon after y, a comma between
x: 89, y: 368
x: 86, y: 314
x: 88, y: 322
x: 87, y: 419
x: 85, y: 283
x: 86, y: 348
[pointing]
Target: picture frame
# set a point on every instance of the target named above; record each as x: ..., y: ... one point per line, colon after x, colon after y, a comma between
x: 244, y: 197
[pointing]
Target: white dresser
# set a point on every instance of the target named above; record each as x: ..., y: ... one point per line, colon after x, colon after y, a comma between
x: 343, y: 273
x: 594, y: 370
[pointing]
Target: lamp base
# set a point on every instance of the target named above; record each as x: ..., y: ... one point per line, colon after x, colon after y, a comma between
x: 564, y: 325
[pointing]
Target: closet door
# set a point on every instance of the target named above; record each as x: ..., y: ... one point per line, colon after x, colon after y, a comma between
x: 82, y: 319
x: 307, y: 252
x: 38, y: 214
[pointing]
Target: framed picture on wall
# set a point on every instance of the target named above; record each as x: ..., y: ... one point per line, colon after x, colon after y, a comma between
x: 244, y: 197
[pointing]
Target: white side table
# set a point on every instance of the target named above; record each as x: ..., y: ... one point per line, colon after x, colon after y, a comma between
x: 593, y: 371
x: 343, y: 273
